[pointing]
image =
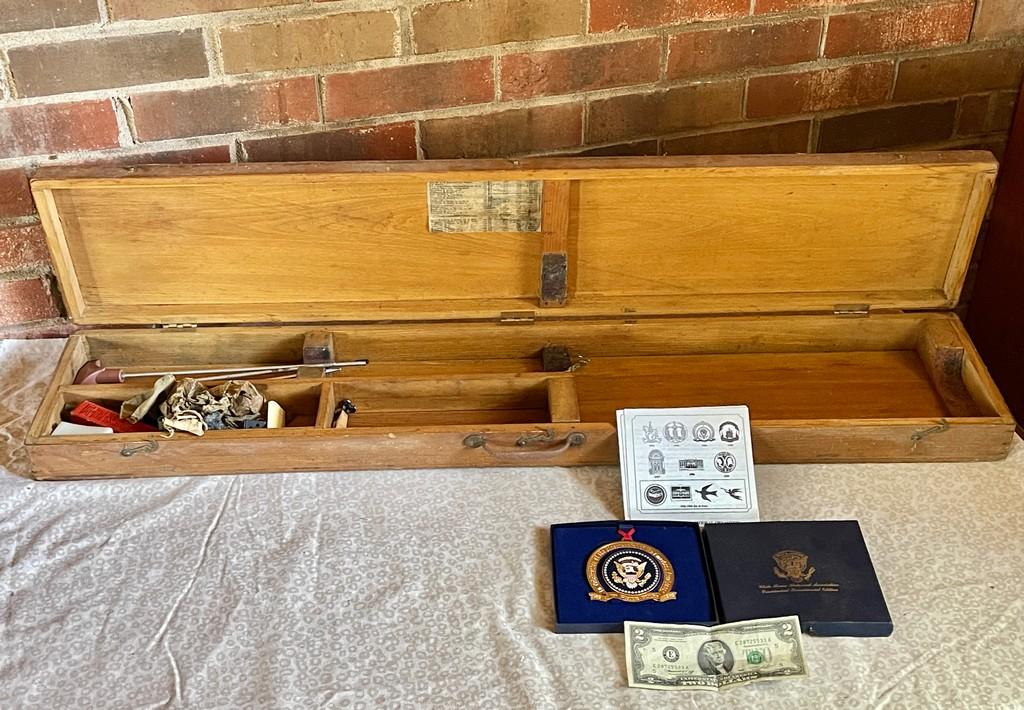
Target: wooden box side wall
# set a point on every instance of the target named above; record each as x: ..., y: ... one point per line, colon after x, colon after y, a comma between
x: 476, y: 348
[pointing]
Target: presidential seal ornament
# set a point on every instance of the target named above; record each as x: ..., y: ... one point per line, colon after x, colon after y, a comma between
x: 630, y: 571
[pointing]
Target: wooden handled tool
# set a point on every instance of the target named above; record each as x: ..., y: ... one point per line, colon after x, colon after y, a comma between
x: 93, y: 372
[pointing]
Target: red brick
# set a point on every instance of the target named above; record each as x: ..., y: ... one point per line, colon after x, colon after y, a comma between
x: 57, y: 128
x: 22, y: 247
x: 1002, y: 110
x: 319, y: 41
x: 225, y: 109
x: 893, y: 30
x: 15, y: 195
x: 636, y: 115
x: 959, y: 74
x: 999, y: 18
x: 789, y: 137
x: 736, y: 48
x: 506, y: 133
x: 994, y: 144
x: 986, y: 113
x: 819, y: 90
x: 887, y: 127
x: 152, y: 9
x: 414, y: 87
x: 393, y: 141
x: 973, y: 117
x: 608, y: 15
x: 26, y: 301
x: 18, y: 15
x: 563, y: 71
x: 104, y: 63
x: 479, y: 23
x: 205, y: 154
x: 765, y: 6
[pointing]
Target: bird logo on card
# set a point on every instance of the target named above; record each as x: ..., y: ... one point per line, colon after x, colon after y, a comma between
x: 792, y: 565
x: 707, y: 492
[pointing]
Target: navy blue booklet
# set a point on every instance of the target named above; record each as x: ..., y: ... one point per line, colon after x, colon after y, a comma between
x: 819, y: 570
x: 608, y: 572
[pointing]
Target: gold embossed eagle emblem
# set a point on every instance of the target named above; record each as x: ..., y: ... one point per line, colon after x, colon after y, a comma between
x: 629, y: 571
x: 792, y: 565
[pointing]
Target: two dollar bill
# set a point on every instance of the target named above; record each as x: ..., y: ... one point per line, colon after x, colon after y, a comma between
x: 683, y: 657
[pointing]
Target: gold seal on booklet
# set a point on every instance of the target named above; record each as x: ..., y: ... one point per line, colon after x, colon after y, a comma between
x: 792, y: 565
x: 630, y: 571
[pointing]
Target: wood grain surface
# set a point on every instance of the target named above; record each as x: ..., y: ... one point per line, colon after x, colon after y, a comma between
x: 820, y: 388
x: 691, y: 281
x: 350, y: 242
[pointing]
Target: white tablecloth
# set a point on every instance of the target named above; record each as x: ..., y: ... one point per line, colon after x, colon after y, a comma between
x: 432, y: 588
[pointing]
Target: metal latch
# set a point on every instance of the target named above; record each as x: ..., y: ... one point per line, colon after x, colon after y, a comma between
x: 522, y: 317
x: 851, y: 310
x: 179, y: 326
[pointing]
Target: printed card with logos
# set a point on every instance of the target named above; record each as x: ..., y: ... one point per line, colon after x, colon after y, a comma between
x: 691, y: 463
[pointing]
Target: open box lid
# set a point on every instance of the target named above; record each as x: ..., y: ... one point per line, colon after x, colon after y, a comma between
x: 540, y: 238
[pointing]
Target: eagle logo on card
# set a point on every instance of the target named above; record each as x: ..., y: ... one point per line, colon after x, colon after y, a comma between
x: 792, y: 565
x: 630, y: 571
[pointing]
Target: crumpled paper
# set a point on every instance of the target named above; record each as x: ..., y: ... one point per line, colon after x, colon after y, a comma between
x: 136, y: 408
x: 192, y: 407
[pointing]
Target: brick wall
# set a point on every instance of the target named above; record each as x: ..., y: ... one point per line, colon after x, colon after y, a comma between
x: 129, y: 81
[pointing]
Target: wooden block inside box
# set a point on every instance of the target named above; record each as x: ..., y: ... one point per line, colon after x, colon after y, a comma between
x: 815, y: 289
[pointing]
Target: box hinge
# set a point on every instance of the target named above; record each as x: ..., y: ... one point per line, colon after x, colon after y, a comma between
x: 178, y: 326
x: 517, y: 317
x: 851, y: 310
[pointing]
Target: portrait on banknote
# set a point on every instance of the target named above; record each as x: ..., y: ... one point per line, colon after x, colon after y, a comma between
x: 715, y: 658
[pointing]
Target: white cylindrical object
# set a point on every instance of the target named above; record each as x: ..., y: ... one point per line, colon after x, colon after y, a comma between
x: 275, y: 415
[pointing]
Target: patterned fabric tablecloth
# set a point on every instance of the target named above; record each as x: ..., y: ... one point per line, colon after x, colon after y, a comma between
x: 432, y: 588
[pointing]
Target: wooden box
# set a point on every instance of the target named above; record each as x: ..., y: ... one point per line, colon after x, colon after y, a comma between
x: 815, y: 289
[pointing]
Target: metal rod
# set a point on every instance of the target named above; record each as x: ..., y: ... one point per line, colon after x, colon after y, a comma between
x: 268, y: 369
x: 223, y: 376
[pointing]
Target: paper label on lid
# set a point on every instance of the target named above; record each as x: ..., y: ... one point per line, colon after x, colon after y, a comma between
x: 485, y: 206
x: 693, y: 463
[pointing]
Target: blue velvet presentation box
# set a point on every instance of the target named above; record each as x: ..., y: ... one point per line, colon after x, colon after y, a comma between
x: 680, y: 543
x: 818, y: 570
